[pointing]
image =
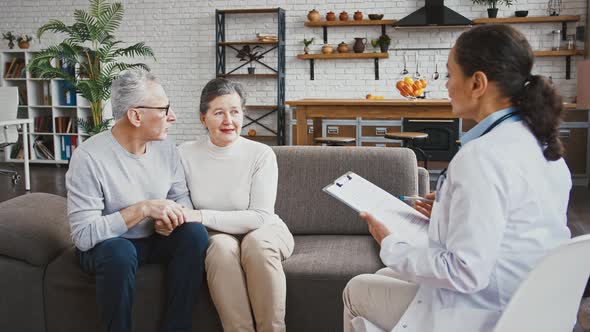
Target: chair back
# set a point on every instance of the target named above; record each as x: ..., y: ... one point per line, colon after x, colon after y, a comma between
x: 548, y: 299
x: 8, y: 112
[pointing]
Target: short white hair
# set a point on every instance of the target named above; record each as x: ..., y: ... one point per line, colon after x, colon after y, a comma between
x: 130, y: 90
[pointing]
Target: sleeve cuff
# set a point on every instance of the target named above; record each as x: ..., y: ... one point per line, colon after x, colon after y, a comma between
x: 207, y: 218
x: 117, y: 224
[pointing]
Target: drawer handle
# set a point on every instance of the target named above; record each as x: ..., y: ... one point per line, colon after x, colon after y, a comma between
x: 333, y: 130
x: 438, y: 121
x: 380, y: 131
x: 565, y: 133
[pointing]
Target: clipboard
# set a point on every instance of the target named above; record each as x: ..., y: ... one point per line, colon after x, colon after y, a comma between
x: 362, y: 195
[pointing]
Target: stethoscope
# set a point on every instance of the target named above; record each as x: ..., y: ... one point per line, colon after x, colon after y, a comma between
x: 443, y: 175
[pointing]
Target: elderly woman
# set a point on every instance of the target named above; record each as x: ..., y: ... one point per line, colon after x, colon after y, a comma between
x: 233, y: 184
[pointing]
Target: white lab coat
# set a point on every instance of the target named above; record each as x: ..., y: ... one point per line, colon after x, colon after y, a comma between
x: 500, y: 209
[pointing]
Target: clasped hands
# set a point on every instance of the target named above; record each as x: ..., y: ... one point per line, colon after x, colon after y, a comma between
x: 168, y: 215
x: 379, y: 231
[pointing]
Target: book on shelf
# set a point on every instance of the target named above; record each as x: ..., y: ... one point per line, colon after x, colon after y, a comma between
x: 22, y: 96
x: 67, y: 146
x: 44, y: 148
x: 17, y: 151
x: 64, y: 124
x: 46, y: 93
x: 15, y: 68
x: 43, y: 124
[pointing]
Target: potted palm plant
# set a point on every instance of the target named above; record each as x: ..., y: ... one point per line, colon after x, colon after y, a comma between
x: 493, y: 5
x: 247, y: 54
x: 92, y: 49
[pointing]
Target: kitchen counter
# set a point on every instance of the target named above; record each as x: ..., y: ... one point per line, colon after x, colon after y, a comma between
x: 318, y: 109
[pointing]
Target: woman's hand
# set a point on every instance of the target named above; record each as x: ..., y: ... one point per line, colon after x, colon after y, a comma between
x: 425, y: 207
x: 162, y: 228
x: 376, y: 228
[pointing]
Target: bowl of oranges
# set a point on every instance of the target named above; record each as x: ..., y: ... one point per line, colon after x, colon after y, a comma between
x: 411, y: 88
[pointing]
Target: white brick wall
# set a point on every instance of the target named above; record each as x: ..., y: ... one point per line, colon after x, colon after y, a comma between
x: 182, y: 34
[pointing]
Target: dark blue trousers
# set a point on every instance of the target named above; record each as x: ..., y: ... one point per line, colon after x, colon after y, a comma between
x: 115, y: 261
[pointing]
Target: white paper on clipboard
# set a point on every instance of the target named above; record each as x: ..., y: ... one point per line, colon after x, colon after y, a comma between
x: 362, y: 195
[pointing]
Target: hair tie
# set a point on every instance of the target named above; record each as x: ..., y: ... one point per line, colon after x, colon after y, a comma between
x: 527, y: 81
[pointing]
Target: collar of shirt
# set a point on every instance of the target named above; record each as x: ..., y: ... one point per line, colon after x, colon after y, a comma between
x: 484, y: 124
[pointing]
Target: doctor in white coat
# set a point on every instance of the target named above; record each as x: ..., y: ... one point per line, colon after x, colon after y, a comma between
x: 499, y: 207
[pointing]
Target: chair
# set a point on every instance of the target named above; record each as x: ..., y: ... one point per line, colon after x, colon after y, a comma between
x: 9, y: 123
x: 334, y: 141
x: 548, y: 299
x: 409, y: 139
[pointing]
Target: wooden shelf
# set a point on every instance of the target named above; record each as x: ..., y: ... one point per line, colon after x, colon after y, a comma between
x: 248, y: 75
x: 249, y: 11
x: 546, y: 53
x: 349, y: 23
x: 532, y: 19
x: 248, y: 42
x: 344, y: 56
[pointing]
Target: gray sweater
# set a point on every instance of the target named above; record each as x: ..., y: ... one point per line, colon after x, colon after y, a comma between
x: 104, y: 178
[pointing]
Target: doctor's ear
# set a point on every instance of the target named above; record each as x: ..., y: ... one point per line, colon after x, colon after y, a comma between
x: 202, y: 118
x: 480, y: 83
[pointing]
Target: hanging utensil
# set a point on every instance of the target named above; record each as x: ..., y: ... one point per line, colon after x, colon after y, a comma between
x: 405, y: 71
x: 435, y: 75
x: 417, y: 73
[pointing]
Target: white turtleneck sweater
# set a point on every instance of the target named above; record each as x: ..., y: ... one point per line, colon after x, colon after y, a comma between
x: 235, y: 187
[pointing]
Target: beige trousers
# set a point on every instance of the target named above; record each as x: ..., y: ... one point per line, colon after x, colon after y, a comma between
x: 246, y: 278
x: 381, y: 298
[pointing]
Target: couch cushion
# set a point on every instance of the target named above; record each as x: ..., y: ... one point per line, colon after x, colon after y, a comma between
x: 317, y: 273
x: 305, y: 170
x: 70, y: 299
x: 34, y: 228
x: 21, y: 302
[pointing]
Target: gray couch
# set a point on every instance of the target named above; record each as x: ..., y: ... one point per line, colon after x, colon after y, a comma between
x: 43, y: 289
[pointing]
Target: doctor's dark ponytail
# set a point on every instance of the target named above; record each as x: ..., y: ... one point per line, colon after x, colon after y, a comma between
x: 504, y: 55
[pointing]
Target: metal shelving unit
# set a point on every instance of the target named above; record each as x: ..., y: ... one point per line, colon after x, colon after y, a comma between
x: 278, y: 72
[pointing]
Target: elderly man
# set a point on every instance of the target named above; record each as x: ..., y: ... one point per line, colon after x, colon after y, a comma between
x: 119, y: 183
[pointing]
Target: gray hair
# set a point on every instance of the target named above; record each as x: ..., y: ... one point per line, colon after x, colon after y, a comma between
x: 220, y: 87
x: 129, y: 90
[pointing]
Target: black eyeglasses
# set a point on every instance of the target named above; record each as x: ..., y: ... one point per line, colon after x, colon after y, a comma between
x: 165, y: 108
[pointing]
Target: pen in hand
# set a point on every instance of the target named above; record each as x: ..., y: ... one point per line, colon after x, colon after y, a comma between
x: 415, y: 198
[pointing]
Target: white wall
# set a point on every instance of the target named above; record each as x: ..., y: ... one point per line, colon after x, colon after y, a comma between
x: 182, y: 34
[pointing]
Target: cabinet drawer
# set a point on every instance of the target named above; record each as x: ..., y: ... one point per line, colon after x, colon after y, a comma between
x: 378, y: 131
x: 340, y: 131
x: 575, y: 141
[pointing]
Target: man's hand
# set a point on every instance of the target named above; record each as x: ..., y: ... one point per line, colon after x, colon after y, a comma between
x: 161, y: 228
x: 425, y: 207
x: 376, y: 228
x: 168, y: 212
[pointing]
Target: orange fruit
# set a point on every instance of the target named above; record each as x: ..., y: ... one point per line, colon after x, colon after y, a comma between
x: 408, y: 80
x: 418, y: 92
x: 399, y: 85
x: 424, y: 83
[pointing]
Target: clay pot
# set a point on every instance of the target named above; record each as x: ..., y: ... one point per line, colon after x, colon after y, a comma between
x: 23, y: 44
x: 314, y: 16
x: 330, y: 16
x: 358, y: 15
x: 343, y: 48
x: 359, y: 45
x: 343, y: 16
x: 327, y: 49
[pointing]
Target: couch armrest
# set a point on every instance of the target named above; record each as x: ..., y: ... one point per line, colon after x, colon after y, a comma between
x: 423, y: 181
x: 34, y: 228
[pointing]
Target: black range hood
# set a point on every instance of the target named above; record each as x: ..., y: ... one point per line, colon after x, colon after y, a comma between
x: 434, y: 13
